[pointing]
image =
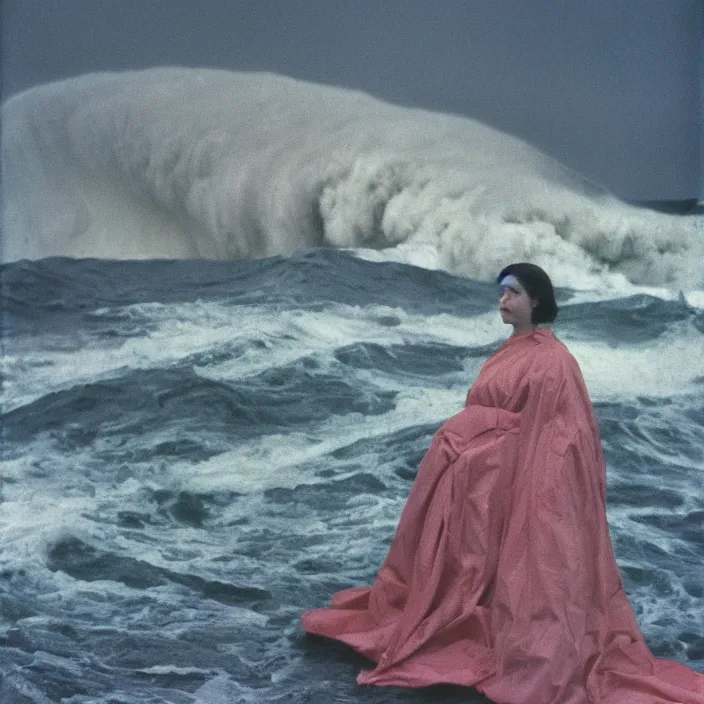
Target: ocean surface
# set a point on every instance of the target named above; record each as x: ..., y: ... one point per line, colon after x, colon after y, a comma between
x: 235, y: 309
x: 195, y: 452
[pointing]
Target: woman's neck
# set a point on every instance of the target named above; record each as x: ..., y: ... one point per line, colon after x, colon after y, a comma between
x: 526, y: 330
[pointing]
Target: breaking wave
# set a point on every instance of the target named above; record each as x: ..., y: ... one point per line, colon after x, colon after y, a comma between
x: 199, y: 163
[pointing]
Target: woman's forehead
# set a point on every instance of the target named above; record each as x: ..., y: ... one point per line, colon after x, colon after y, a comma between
x: 510, y: 281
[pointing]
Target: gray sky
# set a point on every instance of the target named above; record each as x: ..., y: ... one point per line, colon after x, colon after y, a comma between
x: 612, y: 88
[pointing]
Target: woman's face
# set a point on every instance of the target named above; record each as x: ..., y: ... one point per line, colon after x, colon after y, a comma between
x: 515, y: 305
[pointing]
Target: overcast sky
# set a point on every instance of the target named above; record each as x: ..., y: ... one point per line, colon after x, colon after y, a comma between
x: 612, y: 88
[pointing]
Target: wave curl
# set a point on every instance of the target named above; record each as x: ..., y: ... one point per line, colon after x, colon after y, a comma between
x: 201, y: 163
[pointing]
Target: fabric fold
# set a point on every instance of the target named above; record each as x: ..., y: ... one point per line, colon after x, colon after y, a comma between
x: 501, y: 574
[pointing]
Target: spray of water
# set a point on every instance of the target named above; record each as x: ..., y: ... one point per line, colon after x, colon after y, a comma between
x: 195, y: 163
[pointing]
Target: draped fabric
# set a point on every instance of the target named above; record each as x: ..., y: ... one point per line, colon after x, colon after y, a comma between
x: 501, y: 574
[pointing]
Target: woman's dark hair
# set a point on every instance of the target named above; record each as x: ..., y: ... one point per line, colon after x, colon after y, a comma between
x: 538, y: 286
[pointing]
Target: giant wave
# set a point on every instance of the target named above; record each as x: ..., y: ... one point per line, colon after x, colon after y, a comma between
x: 194, y: 163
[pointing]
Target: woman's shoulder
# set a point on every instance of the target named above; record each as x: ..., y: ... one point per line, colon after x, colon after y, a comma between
x: 547, y: 337
x: 540, y: 350
x: 553, y: 354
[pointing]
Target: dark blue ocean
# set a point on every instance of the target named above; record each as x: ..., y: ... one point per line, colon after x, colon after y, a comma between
x: 195, y: 452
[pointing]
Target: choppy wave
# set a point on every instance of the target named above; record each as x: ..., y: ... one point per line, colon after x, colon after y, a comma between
x: 196, y: 452
x: 195, y: 163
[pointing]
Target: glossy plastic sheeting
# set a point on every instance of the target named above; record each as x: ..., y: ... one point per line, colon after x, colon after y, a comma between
x: 501, y: 574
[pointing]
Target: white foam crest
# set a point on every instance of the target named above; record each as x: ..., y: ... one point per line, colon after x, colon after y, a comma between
x: 185, y: 163
x: 279, y: 460
x: 199, y: 330
x: 324, y: 332
x: 181, y: 330
x: 185, y: 330
x: 224, y: 690
x: 668, y: 366
x: 695, y: 299
x: 607, y: 294
x: 25, y: 540
x: 610, y: 371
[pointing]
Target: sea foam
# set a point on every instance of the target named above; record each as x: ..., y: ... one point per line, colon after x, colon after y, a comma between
x: 200, y: 163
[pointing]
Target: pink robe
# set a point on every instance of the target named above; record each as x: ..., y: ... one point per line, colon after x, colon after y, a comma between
x: 501, y: 575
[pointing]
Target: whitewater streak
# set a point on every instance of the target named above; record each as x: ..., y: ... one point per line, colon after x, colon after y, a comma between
x: 196, y: 163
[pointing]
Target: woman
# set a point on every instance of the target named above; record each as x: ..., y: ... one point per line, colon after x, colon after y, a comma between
x: 501, y: 574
